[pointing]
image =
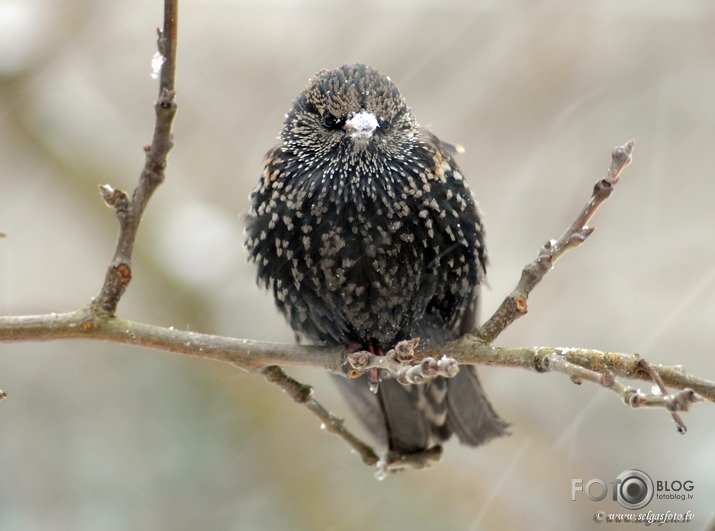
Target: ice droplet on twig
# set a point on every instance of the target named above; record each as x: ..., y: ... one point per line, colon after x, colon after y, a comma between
x: 156, y: 63
x: 381, y: 470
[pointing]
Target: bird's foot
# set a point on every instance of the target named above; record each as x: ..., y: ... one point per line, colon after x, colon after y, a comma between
x: 398, y: 361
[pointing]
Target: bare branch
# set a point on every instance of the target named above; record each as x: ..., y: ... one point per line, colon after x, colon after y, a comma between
x: 515, y: 305
x: 630, y: 395
x: 246, y: 354
x: 255, y: 355
x: 471, y: 351
x: 129, y: 211
x: 663, y: 391
x: 303, y: 394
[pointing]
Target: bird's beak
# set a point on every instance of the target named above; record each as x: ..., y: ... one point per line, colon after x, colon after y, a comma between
x: 361, y: 125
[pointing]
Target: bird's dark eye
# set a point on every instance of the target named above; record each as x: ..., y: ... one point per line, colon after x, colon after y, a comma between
x: 330, y: 121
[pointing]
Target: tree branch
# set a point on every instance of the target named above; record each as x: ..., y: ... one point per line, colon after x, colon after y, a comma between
x: 303, y: 394
x: 514, y: 305
x: 256, y: 355
x: 129, y: 211
x: 246, y: 354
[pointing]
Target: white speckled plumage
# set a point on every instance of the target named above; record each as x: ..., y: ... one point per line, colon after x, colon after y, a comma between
x: 365, y: 231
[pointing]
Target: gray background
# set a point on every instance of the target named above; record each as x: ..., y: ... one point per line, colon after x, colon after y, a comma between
x: 101, y: 436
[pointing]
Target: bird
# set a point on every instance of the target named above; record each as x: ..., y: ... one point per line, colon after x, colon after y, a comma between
x: 363, y: 228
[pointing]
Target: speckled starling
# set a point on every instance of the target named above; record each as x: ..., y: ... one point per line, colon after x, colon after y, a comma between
x: 364, y: 229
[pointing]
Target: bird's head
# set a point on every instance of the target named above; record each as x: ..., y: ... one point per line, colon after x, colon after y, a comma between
x: 349, y: 110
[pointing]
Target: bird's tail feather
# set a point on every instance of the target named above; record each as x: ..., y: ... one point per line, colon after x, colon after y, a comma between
x: 411, y: 418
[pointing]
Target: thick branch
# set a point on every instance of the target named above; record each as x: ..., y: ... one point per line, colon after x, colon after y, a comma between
x: 129, y: 211
x: 244, y: 353
x: 256, y: 355
x: 471, y: 351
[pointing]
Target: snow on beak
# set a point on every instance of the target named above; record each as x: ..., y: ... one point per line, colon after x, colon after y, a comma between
x: 361, y: 125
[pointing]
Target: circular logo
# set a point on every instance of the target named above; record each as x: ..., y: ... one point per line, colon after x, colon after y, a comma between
x: 635, y: 490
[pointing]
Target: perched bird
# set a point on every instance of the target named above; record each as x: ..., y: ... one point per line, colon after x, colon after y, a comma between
x: 363, y: 228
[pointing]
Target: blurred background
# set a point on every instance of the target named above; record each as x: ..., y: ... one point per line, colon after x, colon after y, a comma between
x: 111, y: 437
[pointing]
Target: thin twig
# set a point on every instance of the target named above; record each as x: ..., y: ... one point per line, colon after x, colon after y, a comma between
x: 303, y: 394
x: 515, y: 305
x: 663, y: 391
x: 631, y: 396
x: 129, y: 211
